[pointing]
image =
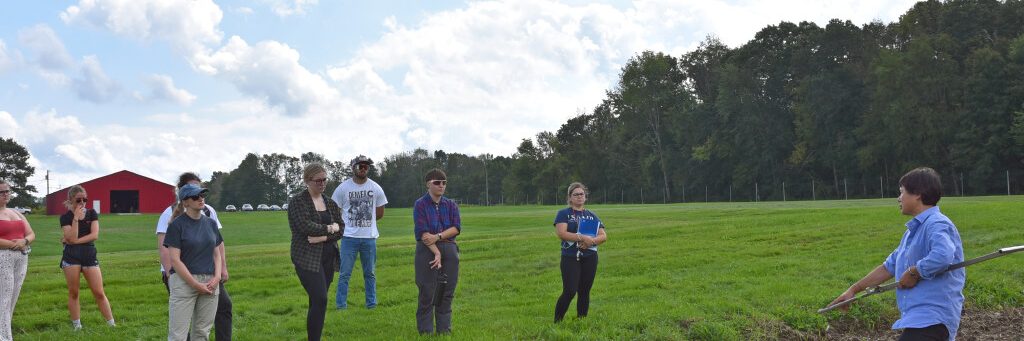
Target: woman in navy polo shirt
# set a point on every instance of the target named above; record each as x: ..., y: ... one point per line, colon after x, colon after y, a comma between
x: 579, y: 251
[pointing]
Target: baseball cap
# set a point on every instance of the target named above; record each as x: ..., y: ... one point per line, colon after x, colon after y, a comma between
x: 360, y: 159
x: 190, y: 190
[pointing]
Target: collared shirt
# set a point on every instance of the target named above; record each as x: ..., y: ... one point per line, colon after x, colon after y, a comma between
x: 434, y: 218
x: 932, y: 243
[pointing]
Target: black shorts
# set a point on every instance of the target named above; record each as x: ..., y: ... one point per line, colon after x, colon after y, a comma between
x: 79, y: 255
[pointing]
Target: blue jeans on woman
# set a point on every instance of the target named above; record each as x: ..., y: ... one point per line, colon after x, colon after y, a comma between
x: 366, y: 248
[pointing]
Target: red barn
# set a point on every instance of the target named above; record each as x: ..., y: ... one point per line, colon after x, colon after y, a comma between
x: 121, y: 192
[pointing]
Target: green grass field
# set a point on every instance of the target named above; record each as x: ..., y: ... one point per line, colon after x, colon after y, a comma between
x: 714, y: 271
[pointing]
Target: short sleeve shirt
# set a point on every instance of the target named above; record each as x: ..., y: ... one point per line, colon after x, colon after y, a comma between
x: 572, y: 218
x: 197, y: 239
x: 359, y: 204
x: 84, y: 225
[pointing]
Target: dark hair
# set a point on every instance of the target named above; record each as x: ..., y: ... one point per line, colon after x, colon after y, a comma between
x: 187, y: 177
x: 435, y: 174
x: 925, y: 182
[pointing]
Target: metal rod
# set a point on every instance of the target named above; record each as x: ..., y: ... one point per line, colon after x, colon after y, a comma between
x: 883, y: 288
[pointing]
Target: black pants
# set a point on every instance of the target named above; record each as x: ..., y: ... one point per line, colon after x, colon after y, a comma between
x: 426, y: 280
x: 577, y: 277
x: 936, y: 332
x: 222, y: 321
x: 316, y: 285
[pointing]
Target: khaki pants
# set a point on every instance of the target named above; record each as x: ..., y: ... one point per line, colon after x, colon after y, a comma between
x: 188, y: 308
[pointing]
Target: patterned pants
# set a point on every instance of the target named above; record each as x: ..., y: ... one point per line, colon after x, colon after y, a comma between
x: 13, y: 265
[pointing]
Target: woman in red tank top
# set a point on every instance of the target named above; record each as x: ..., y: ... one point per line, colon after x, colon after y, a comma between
x: 15, y: 237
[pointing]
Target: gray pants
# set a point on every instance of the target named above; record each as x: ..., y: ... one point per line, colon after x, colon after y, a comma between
x: 13, y: 266
x: 426, y: 281
x: 187, y: 307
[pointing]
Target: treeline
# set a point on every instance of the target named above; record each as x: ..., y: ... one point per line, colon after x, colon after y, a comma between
x: 800, y: 112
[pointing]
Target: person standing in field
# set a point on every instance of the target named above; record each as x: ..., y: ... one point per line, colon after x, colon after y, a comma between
x: 16, y: 237
x: 579, y: 252
x: 437, y: 223
x: 314, y: 221
x: 930, y: 299
x: 362, y: 203
x: 192, y: 239
x: 81, y: 229
x: 222, y: 321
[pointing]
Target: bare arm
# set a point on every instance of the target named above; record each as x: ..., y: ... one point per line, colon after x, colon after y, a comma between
x: 94, y: 233
x: 877, y: 276
x: 165, y: 253
x: 218, y: 262
x: 380, y: 212
x: 224, y: 262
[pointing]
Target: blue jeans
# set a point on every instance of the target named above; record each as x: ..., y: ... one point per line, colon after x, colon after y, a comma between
x: 367, y: 250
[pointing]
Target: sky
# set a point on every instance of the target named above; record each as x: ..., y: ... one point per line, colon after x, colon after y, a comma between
x: 159, y: 87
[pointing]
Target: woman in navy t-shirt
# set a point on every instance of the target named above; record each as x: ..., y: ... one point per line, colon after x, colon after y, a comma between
x: 579, y: 251
x: 81, y: 229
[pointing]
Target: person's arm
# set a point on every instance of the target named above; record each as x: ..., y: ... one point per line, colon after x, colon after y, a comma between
x: 94, y: 233
x: 381, y: 200
x: 302, y: 220
x: 436, y: 263
x: 941, y: 253
x: 214, y: 281
x: 224, y: 263
x: 182, y: 271
x: 877, y: 276
x: 421, y: 224
x: 380, y: 212
x: 165, y: 254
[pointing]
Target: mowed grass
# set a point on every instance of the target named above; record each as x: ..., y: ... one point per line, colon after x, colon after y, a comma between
x: 714, y: 271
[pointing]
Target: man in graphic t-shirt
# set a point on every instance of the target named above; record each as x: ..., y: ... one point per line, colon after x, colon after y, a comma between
x: 362, y: 203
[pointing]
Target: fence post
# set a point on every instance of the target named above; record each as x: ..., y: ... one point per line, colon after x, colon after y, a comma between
x: 783, y: 191
x: 730, y: 192
x: 814, y: 196
x: 1007, y: 182
x: 757, y: 196
x: 846, y: 194
x: 881, y: 191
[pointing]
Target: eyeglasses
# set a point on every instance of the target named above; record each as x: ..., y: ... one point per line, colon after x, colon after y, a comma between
x: 363, y: 166
x: 319, y: 181
x: 6, y: 191
x: 579, y: 194
x: 82, y: 200
x: 196, y: 197
x: 440, y: 182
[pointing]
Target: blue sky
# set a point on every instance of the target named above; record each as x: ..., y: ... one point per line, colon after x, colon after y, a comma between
x: 160, y: 87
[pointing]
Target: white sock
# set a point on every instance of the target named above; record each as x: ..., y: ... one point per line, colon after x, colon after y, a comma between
x: 77, y: 324
x: 111, y: 323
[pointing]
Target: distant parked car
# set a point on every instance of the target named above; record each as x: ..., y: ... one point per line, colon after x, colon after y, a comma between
x: 284, y: 207
x: 263, y: 207
x: 23, y: 210
x: 246, y: 208
x: 230, y: 208
x: 275, y: 208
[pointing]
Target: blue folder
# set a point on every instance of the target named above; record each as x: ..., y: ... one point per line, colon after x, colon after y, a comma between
x: 589, y: 227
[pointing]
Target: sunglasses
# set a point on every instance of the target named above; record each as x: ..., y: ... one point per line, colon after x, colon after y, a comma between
x: 196, y: 197
x: 363, y: 166
x: 439, y: 182
x: 6, y: 191
x: 82, y: 200
x: 319, y: 181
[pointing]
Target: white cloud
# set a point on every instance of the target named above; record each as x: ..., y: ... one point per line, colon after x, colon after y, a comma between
x: 161, y: 87
x: 271, y: 71
x: 284, y: 8
x: 188, y: 25
x: 8, y: 125
x: 243, y: 10
x: 94, y: 85
x: 49, y: 51
x: 7, y: 61
x: 38, y: 127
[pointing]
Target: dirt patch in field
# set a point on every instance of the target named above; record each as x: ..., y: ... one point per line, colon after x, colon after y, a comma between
x: 976, y: 325
x: 1005, y: 324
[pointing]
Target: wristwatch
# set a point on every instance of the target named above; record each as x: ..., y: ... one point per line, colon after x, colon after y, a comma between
x: 439, y: 237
